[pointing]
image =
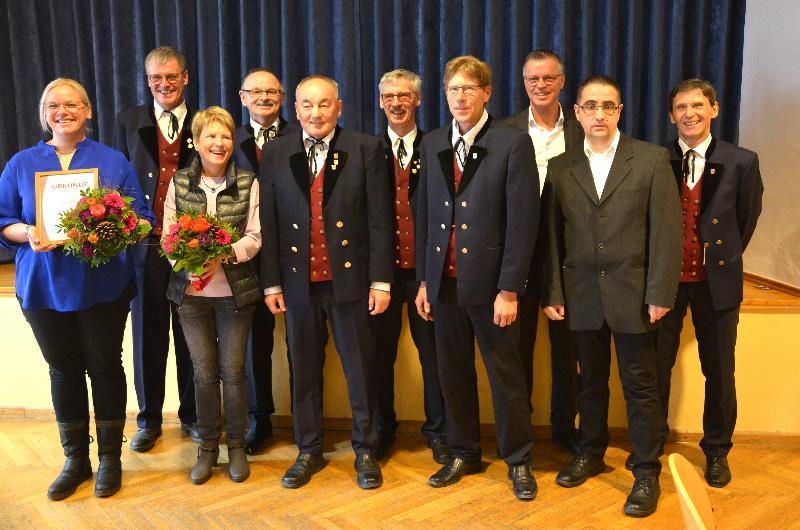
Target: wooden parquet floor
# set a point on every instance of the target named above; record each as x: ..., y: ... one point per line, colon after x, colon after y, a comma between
x: 156, y: 492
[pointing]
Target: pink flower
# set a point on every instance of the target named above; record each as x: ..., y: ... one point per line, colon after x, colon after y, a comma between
x: 223, y: 237
x: 130, y: 223
x: 167, y: 245
x: 98, y: 211
x: 115, y: 200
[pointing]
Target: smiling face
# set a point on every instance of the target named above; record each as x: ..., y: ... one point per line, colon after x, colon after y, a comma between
x: 544, y: 80
x: 466, y: 99
x: 692, y: 113
x: 167, y: 82
x: 318, y: 107
x: 215, y: 147
x: 264, y: 107
x: 66, y: 113
x: 598, y: 126
x: 399, y: 101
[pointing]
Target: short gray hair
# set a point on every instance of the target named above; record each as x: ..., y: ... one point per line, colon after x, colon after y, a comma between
x: 400, y: 73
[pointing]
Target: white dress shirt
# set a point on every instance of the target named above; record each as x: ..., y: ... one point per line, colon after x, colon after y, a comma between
x: 547, y: 143
x: 163, y: 119
x: 469, y: 136
x: 600, y: 163
x: 257, y: 128
x: 408, y: 141
x: 697, y: 163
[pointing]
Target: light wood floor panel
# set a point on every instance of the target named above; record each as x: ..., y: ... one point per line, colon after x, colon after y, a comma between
x: 156, y: 492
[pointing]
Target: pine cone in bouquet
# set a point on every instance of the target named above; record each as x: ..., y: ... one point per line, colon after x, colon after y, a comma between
x: 107, y: 230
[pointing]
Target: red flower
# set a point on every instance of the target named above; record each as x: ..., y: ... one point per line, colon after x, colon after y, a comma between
x: 200, y: 225
x: 98, y: 211
x: 223, y: 237
x: 130, y: 223
x: 115, y: 200
x: 185, y: 221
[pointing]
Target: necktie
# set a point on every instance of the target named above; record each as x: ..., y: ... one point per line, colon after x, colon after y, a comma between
x: 401, y: 152
x: 172, y: 130
x: 260, y: 137
x: 312, y: 155
x: 688, y: 165
x: 461, y: 152
x: 271, y: 133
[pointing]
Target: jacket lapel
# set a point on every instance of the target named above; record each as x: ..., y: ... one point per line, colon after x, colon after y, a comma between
x: 187, y: 144
x: 582, y: 173
x: 298, y: 162
x: 149, y: 137
x: 248, y: 147
x: 475, y: 156
x: 711, y: 177
x: 620, y: 168
x: 413, y: 176
x: 334, y: 164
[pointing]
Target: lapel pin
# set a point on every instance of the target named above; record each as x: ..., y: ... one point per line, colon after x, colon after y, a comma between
x: 713, y: 170
x: 474, y: 156
x: 335, y: 156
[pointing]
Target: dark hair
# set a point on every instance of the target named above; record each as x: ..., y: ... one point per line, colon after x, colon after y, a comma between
x: 599, y: 80
x: 693, y: 84
x: 542, y: 54
x: 471, y: 66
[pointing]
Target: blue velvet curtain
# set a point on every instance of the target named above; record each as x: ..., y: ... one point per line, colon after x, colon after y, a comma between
x: 647, y: 45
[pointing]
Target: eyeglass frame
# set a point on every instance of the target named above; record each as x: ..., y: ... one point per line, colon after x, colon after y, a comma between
x: 269, y: 92
x: 151, y: 78
x: 549, y: 80
x: 609, y: 109
x: 402, y: 97
x: 467, y: 90
x: 69, y: 107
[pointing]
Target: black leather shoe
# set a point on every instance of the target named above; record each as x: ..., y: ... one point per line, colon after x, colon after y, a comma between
x: 256, y: 437
x: 145, y: 439
x: 568, y: 440
x: 452, y: 472
x: 718, y: 474
x: 191, y: 430
x: 302, y: 470
x: 630, y: 462
x: 643, y: 499
x: 369, y: 472
x: 440, y: 450
x: 579, y: 470
x: 525, y: 487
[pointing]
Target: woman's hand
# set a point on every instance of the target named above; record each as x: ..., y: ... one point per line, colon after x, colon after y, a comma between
x: 33, y: 240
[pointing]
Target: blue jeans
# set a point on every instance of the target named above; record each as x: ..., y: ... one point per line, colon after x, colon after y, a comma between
x: 216, y: 332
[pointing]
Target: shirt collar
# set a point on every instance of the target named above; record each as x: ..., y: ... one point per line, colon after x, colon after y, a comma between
x: 610, y: 150
x: 257, y: 126
x: 408, y: 139
x: 326, y: 141
x: 701, y: 148
x: 559, y: 123
x: 469, y: 136
x: 180, y: 111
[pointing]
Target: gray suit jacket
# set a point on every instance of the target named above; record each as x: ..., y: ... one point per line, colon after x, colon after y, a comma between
x: 612, y: 256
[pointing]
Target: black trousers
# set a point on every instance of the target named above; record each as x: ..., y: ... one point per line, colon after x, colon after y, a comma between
x: 716, y: 339
x: 563, y: 365
x: 151, y: 314
x: 457, y: 327
x: 387, y: 333
x: 260, y: 404
x: 77, y: 343
x: 307, y: 334
x: 636, y: 360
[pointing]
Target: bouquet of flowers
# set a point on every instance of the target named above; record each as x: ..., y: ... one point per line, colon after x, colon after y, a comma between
x: 101, y: 225
x: 196, y: 239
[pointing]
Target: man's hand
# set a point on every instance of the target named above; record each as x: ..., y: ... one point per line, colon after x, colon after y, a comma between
x: 554, y: 312
x: 423, y: 307
x: 505, y: 308
x: 656, y: 312
x: 275, y: 303
x: 378, y: 301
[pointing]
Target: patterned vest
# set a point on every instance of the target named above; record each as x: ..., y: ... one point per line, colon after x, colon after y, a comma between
x: 450, y: 257
x: 319, y: 266
x: 168, y: 156
x: 692, y: 267
x: 404, y: 222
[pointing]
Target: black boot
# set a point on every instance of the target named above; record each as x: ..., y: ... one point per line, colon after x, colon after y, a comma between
x: 207, y: 455
x: 109, y: 451
x: 77, y: 468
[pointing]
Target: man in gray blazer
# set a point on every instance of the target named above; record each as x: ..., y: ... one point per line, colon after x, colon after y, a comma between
x: 614, y: 232
x: 477, y: 213
x: 552, y: 131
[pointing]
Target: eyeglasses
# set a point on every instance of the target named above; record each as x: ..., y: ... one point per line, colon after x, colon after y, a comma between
x: 156, y: 79
x: 468, y: 90
x: 258, y: 92
x: 548, y: 79
x: 590, y: 107
x: 402, y: 97
x: 69, y: 107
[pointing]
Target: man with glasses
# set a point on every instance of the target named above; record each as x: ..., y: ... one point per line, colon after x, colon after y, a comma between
x: 399, y: 99
x: 552, y: 131
x: 614, y: 235
x: 477, y: 218
x: 262, y: 94
x: 157, y: 139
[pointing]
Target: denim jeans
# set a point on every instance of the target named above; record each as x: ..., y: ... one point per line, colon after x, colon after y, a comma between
x: 216, y: 333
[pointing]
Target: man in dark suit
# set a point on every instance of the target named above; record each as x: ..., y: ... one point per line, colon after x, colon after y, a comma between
x: 614, y: 242
x: 157, y: 139
x: 476, y: 228
x: 720, y: 190
x: 326, y: 223
x: 262, y: 93
x: 552, y: 131
x: 399, y: 99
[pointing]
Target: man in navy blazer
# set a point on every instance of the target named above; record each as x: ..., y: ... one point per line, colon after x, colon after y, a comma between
x: 326, y: 221
x: 262, y: 94
x: 720, y: 189
x: 477, y: 218
x: 157, y: 139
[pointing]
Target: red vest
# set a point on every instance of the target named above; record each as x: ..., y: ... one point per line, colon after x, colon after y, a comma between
x: 258, y: 154
x: 450, y: 257
x: 319, y: 264
x: 404, y: 224
x: 692, y: 269
x: 168, y: 155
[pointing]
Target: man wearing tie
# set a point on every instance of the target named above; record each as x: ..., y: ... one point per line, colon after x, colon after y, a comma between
x: 476, y: 228
x: 157, y: 139
x: 262, y: 93
x: 614, y: 255
x: 720, y: 190
x: 399, y: 99
x: 326, y: 219
x: 552, y: 131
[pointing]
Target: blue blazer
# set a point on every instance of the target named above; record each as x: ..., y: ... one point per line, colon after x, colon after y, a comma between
x: 244, y: 144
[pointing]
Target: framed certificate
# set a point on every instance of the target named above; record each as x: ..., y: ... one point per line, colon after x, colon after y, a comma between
x: 57, y: 192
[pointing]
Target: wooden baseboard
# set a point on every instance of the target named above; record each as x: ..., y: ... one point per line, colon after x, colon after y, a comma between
x: 541, y: 433
x: 762, y: 282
